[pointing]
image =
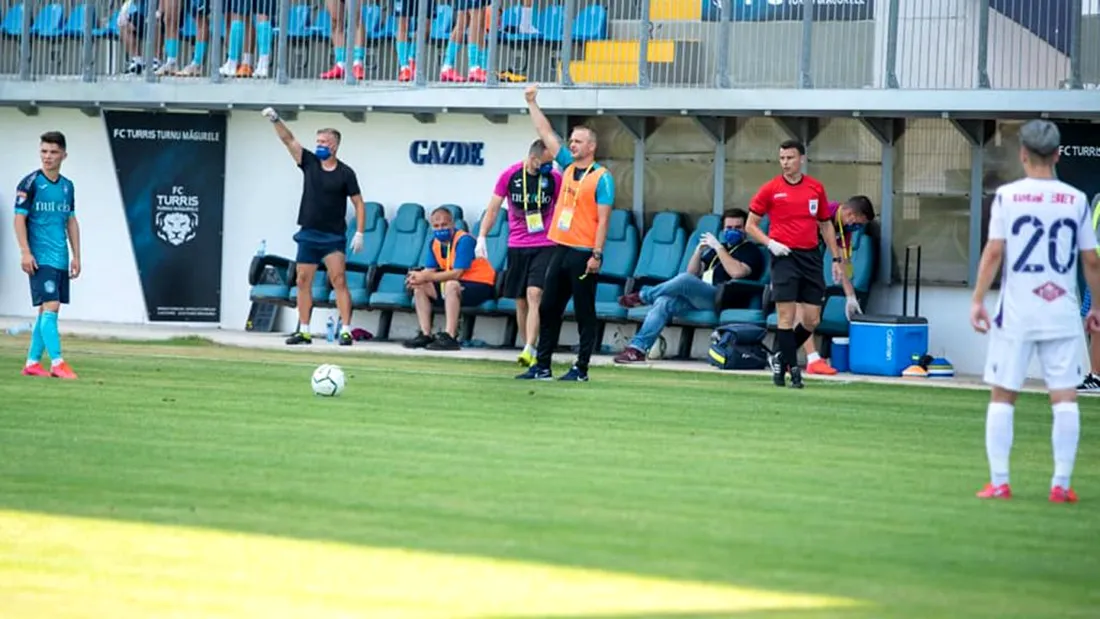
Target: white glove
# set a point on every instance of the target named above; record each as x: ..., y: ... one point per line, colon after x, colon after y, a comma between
x: 851, y: 307
x: 481, y: 250
x: 778, y: 249
x: 710, y: 241
x: 357, y: 243
x: 270, y: 114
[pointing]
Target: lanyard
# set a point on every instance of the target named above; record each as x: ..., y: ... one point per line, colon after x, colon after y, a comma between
x: 844, y: 249
x: 714, y: 260
x: 449, y: 257
x: 526, y: 196
x: 577, y: 183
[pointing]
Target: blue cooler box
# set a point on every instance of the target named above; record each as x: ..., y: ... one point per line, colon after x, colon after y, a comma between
x: 885, y: 345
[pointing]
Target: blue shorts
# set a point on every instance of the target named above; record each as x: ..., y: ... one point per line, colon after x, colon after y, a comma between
x: 314, y: 245
x: 473, y: 294
x: 49, y: 284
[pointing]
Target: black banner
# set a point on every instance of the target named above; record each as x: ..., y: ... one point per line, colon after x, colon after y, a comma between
x: 171, y: 173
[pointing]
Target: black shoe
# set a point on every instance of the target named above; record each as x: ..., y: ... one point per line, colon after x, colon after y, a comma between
x: 775, y: 360
x: 1091, y: 384
x: 345, y: 339
x: 299, y: 338
x: 420, y: 341
x: 796, y: 377
x: 444, y: 341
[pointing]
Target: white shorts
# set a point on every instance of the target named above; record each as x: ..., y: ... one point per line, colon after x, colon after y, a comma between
x: 1060, y: 360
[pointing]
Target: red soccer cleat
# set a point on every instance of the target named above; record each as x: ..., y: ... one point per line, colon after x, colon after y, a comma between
x: 1059, y: 494
x: 478, y: 75
x: 820, y: 367
x: 335, y: 73
x: 995, y: 492
x: 408, y: 73
x: 35, y: 370
x: 359, y: 72
x: 62, y: 370
x: 450, y: 75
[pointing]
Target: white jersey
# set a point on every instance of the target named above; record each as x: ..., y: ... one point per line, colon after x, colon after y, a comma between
x: 1045, y: 225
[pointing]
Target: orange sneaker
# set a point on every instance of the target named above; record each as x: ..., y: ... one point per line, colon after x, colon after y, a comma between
x: 996, y: 492
x: 820, y: 367
x: 62, y: 370
x: 35, y: 369
x: 408, y: 73
x: 1059, y: 494
x: 450, y: 75
x: 477, y: 74
x: 335, y: 73
x: 244, y: 70
x: 359, y: 71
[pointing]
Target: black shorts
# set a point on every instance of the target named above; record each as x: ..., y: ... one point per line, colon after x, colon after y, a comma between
x: 473, y: 294
x: 49, y: 284
x: 526, y: 269
x: 798, y: 278
x: 410, y: 8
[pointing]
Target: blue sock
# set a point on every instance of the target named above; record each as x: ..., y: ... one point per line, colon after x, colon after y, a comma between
x: 263, y: 38
x: 410, y: 50
x: 51, y: 337
x: 200, y: 52
x: 171, y: 48
x: 402, y: 49
x: 341, y: 55
x: 450, y: 54
x: 236, y: 40
x: 359, y: 54
x: 34, y: 355
x: 473, y: 55
x: 484, y: 64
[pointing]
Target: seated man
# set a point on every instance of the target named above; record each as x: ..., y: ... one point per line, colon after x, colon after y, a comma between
x: 848, y: 218
x: 453, y: 278
x: 714, y: 262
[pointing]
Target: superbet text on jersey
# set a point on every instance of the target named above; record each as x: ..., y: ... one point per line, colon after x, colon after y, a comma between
x: 1045, y: 225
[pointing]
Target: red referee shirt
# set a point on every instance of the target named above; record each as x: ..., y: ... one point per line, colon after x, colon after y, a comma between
x: 793, y: 210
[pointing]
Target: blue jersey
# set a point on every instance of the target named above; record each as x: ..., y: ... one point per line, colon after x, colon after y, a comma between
x: 48, y: 206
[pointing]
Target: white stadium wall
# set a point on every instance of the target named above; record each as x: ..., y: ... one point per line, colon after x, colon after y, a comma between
x: 261, y: 200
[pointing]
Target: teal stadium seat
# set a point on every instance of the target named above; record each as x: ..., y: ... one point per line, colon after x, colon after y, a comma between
x: 496, y: 241
x: 619, y: 257
x: 271, y: 279
x: 660, y: 257
x: 754, y: 314
x: 401, y: 251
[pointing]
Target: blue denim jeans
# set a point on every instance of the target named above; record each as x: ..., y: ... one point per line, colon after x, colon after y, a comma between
x: 678, y: 295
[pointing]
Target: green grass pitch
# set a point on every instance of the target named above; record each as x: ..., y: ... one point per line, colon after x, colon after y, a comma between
x: 190, y: 480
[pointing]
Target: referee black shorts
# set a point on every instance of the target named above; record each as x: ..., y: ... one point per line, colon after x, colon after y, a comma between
x: 799, y: 278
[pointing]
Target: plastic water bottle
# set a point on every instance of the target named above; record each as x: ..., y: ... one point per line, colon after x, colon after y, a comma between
x: 20, y: 329
x: 330, y: 329
x: 263, y: 248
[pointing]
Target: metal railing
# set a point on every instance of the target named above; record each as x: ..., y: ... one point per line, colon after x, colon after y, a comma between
x: 910, y: 44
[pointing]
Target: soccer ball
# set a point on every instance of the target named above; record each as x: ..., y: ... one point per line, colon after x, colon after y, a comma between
x: 328, y: 380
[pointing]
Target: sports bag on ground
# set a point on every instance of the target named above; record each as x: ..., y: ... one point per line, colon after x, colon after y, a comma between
x: 738, y: 347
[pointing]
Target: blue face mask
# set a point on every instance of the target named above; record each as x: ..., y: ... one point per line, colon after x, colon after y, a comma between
x: 732, y: 236
x: 322, y: 152
x: 849, y: 228
x: 443, y: 236
x: 546, y: 168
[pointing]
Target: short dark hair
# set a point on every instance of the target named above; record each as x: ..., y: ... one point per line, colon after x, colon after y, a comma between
x: 735, y: 213
x: 335, y: 133
x: 538, y: 149
x: 795, y: 144
x: 591, y: 132
x: 862, y: 205
x: 443, y: 209
x: 53, y: 137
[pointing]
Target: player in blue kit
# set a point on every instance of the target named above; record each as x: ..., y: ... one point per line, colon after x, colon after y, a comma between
x: 45, y: 228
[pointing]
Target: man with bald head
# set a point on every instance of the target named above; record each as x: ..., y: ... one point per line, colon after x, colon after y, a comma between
x: 579, y: 230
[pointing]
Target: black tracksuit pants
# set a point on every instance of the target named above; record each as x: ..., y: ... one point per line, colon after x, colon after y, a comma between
x: 563, y: 281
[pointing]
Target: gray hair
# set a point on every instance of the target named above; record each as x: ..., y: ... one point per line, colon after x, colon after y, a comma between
x: 1040, y: 138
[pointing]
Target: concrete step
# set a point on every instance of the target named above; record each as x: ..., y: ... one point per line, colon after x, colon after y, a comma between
x: 629, y: 51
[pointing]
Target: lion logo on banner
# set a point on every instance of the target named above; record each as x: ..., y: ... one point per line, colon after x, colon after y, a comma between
x: 176, y: 227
